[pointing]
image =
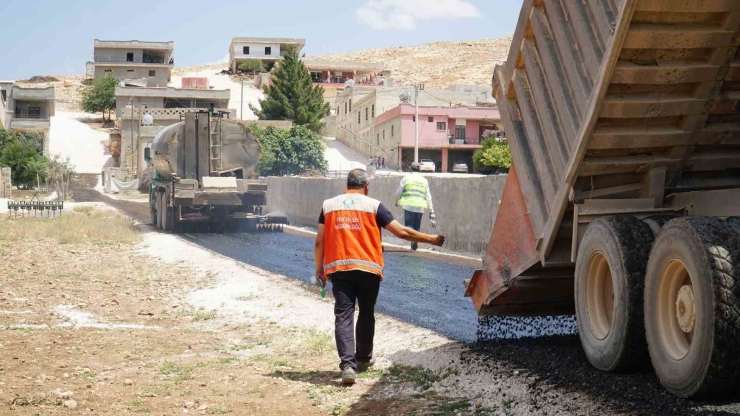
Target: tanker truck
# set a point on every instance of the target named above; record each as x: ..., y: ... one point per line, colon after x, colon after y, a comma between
x: 621, y: 205
x: 204, y: 174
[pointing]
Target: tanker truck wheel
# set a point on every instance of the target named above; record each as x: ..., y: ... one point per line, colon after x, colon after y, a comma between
x: 692, y: 317
x: 609, y: 284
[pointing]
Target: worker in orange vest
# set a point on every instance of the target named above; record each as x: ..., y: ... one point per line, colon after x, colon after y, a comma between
x: 349, y: 252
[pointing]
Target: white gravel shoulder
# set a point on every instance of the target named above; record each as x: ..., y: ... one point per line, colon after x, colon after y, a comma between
x: 245, y: 293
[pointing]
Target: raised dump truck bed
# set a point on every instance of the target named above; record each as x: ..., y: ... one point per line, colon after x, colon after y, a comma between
x: 620, y: 115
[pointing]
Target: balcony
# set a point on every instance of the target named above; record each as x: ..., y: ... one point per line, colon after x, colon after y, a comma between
x: 32, y: 124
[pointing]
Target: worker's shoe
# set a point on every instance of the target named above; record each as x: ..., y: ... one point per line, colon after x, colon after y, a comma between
x: 348, y: 375
x: 414, y: 246
x: 363, y: 366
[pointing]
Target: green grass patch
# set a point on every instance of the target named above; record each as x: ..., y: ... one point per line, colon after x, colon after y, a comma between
x: 421, y: 377
x: 217, y: 411
x: 371, y: 374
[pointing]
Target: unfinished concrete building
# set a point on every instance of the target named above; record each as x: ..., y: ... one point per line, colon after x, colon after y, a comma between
x: 27, y: 109
x: 267, y: 50
x: 133, y: 59
x: 169, y: 97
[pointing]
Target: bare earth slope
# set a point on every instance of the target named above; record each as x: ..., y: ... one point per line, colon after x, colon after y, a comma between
x: 436, y: 65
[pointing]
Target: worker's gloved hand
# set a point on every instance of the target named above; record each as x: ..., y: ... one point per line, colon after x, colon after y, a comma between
x: 433, y: 220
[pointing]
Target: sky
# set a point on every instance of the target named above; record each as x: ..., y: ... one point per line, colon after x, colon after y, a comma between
x: 55, y: 37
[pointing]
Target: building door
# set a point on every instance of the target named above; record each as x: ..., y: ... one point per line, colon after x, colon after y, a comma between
x: 459, y: 132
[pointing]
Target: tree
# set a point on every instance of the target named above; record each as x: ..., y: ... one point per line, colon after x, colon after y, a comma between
x: 293, y: 96
x: 18, y: 156
x: 289, y: 152
x: 100, y: 96
x: 252, y: 65
x: 60, y: 171
x: 23, y: 153
x: 493, y: 157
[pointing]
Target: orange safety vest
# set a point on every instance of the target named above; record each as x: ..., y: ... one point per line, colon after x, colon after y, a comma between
x: 352, y: 236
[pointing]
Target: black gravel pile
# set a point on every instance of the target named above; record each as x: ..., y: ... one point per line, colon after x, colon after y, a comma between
x: 507, y: 327
x: 561, y: 381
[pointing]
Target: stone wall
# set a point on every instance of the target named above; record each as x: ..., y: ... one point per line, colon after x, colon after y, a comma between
x: 466, y: 206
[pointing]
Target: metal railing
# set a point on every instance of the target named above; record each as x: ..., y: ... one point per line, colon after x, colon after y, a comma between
x: 388, y: 159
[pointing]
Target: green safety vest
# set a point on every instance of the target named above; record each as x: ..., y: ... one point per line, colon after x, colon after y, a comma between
x: 414, y: 192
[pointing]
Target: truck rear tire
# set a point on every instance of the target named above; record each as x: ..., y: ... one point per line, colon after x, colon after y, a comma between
x: 153, y: 211
x: 609, y: 285
x: 691, y: 307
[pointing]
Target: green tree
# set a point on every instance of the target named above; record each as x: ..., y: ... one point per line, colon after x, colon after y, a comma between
x: 100, y: 96
x: 293, y: 96
x: 252, y: 65
x: 24, y: 162
x: 493, y: 157
x: 289, y: 152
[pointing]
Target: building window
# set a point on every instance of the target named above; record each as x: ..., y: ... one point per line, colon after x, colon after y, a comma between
x: 350, y: 104
x: 130, y: 73
x: 366, y: 114
x: 245, y: 50
x: 441, y: 125
x: 373, y: 114
x: 268, y: 50
x: 4, y: 95
x: 413, y: 118
x: 377, y: 139
x: 359, y: 118
x: 431, y: 119
x: 459, y: 132
x: 383, y: 134
x: 130, y: 57
x: 108, y: 72
x: 34, y: 112
x: 152, y: 72
x: 392, y: 128
x: 345, y: 107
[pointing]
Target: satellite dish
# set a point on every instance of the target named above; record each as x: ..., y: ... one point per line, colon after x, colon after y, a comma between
x: 405, y: 97
x: 349, y: 83
x: 147, y: 119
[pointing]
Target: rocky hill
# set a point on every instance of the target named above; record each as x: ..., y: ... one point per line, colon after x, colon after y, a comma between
x: 436, y: 65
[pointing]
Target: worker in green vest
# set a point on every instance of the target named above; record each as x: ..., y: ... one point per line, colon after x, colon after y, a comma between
x: 414, y: 197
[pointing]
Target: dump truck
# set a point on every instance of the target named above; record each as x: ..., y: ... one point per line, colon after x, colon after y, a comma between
x: 204, y: 174
x: 621, y: 204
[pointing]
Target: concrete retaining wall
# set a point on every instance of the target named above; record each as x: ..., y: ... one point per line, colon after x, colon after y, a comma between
x: 466, y: 207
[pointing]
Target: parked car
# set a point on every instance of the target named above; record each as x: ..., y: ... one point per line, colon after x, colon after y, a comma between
x: 427, y: 165
x: 460, y: 167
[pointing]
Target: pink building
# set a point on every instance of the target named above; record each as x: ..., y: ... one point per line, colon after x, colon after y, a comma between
x: 447, y: 135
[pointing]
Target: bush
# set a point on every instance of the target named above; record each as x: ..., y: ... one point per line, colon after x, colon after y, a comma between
x: 289, y: 152
x: 252, y: 65
x: 493, y: 157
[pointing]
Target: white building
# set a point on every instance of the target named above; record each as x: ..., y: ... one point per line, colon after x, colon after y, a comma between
x: 267, y: 50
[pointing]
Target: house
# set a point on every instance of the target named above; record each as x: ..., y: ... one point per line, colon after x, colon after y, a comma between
x: 267, y: 50
x: 447, y: 135
x: 133, y: 59
x: 27, y: 109
x: 170, y: 97
x: 332, y: 76
x: 360, y: 108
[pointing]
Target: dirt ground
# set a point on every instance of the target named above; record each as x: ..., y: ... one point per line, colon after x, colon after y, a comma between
x: 94, y: 325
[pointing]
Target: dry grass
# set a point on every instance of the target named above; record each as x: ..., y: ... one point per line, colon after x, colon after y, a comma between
x: 84, y: 225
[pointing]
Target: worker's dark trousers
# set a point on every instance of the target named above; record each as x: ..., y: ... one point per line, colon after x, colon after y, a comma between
x: 412, y: 219
x: 349, y: 287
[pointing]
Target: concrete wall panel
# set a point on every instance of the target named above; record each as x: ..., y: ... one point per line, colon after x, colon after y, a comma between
x: 466, y: 207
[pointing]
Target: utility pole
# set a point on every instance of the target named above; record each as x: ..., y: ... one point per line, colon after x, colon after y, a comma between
x: 416, y: 123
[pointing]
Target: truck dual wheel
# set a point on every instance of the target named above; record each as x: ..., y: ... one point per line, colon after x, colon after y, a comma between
x: 692, y: 315
x: 609, y: 278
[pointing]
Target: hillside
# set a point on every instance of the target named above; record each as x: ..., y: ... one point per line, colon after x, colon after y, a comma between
x: 436, y: 65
